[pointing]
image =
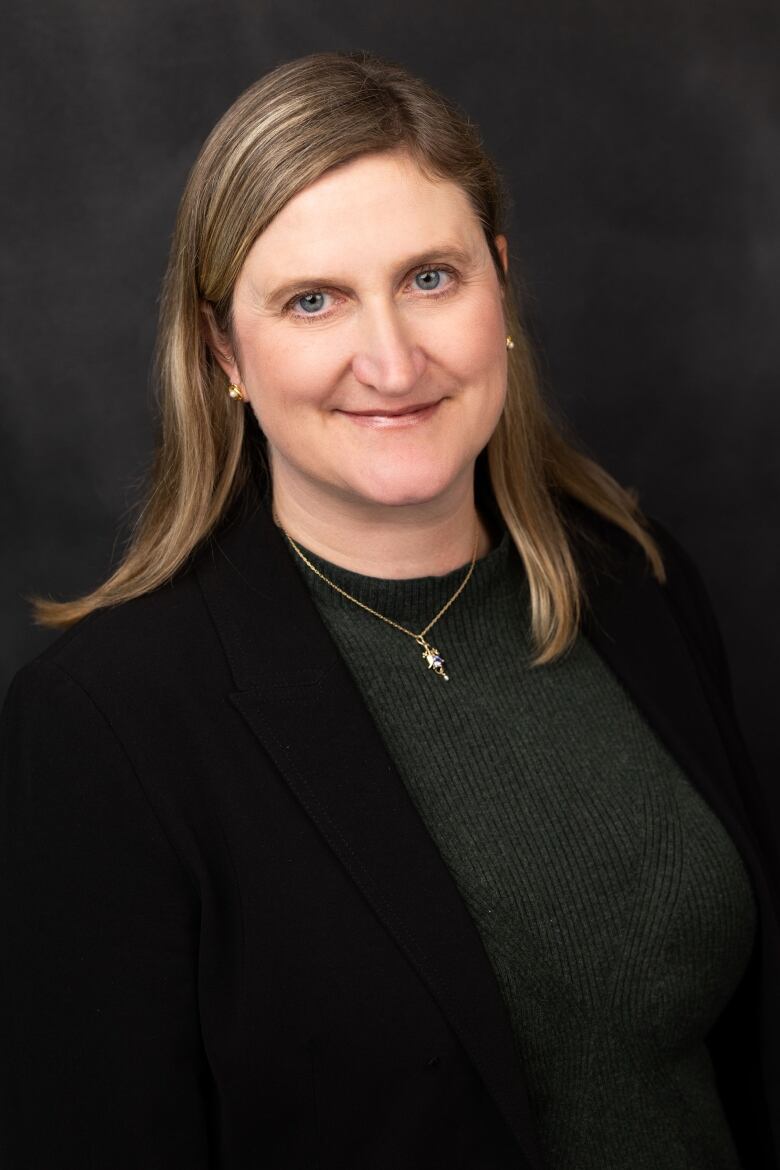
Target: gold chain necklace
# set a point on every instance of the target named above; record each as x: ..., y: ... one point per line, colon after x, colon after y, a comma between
x: 430, y: 654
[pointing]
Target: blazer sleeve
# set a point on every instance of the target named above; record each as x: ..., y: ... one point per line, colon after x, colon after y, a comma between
x: 101, y: 1060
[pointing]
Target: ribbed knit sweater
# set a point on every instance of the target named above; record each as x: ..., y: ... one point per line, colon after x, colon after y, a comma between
x: 613, y: 906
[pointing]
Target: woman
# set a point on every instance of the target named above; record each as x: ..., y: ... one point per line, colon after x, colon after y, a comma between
x: 386, y: 807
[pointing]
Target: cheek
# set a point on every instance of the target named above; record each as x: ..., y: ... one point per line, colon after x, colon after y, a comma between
x: 476, y: 348
x: 284, y: 377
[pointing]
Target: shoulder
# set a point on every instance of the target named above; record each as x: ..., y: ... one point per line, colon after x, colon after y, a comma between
x: 610, y: 558
x: 131, y: 651
x: 608, y: 548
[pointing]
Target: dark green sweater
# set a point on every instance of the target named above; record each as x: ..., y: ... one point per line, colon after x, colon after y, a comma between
x: 613, y: 906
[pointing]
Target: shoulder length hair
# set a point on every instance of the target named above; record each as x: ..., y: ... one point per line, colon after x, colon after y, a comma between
x: 282, y: 133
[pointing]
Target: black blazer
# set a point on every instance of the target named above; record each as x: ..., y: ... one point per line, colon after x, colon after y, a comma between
x: 229, y: 939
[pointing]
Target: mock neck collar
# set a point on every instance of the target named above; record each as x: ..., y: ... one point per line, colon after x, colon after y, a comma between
x: 413, y: 600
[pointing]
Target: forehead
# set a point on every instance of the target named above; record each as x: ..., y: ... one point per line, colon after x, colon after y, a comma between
x: 375, y: 207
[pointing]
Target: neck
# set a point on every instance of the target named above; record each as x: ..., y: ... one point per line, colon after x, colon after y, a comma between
x: 393, y: 542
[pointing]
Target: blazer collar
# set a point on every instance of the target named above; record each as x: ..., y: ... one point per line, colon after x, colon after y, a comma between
x: 298, y: 697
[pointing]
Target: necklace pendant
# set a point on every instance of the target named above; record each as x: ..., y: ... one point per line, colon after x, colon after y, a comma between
x: 434, y: 660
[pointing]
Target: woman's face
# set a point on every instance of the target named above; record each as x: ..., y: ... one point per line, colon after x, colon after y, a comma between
x: 370, y: 338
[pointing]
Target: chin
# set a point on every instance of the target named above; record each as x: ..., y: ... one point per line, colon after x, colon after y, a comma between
x: 396, y: 487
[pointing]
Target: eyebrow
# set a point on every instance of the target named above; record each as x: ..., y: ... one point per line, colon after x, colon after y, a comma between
x: 444, y: 252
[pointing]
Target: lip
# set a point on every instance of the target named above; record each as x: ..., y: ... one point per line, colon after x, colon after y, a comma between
x: 405, y: 417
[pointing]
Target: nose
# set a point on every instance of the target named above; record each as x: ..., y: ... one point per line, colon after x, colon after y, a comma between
x: 387, y: 358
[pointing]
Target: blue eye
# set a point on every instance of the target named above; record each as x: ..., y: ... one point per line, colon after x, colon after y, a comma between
x: 310, y: 302
x: 426, y: 276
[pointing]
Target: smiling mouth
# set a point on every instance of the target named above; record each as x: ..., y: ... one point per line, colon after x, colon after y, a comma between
x: 404, y: 412
x: 406, y: 416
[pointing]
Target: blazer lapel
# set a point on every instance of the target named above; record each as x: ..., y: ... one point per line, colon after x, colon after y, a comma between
x: 630, y: 621
x: 297, y: 696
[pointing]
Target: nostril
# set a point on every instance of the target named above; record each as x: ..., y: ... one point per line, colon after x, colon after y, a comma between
x: 434, y: 1060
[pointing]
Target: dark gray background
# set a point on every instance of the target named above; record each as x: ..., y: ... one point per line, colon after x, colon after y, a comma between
x: 641, y: 144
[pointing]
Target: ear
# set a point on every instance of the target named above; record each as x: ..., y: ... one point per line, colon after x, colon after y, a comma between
x: 219, y: 343
x: 503, y: 251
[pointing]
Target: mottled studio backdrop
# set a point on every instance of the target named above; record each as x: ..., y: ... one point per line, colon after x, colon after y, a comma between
x: 641, y: 142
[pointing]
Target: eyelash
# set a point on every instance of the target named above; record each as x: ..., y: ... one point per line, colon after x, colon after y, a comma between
x: 429, y: 296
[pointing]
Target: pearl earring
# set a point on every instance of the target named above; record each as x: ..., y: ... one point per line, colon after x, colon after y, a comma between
x: 509, y: 343
x: 236, y: 393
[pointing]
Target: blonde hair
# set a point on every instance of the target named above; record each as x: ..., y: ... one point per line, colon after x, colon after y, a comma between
x: 281, y: 134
